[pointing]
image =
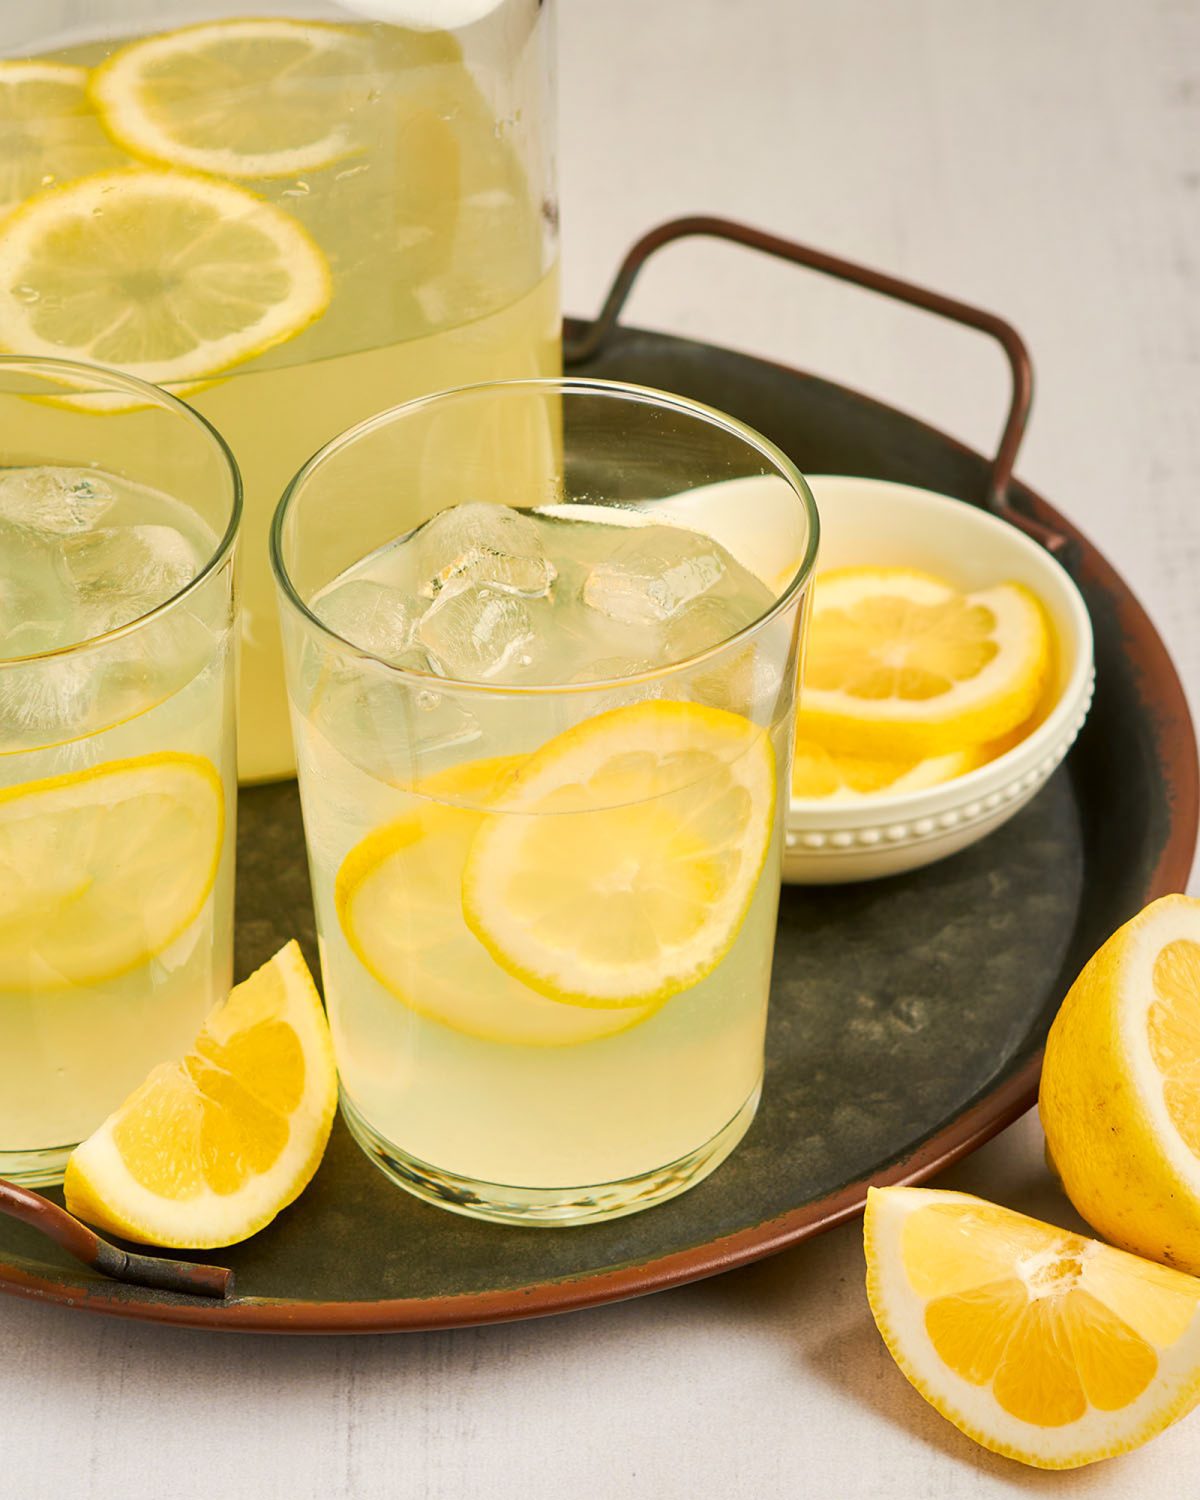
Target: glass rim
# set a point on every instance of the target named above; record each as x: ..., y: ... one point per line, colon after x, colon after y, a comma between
x: 153, y: 395
x: 564, y: 385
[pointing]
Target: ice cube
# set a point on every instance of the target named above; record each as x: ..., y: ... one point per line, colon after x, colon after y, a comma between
x: 42, y: 702
x: 706, y: 622
x: 653, y: 573
x: 370, y: 615
x: 53, y: 501
x: 33, y: 615
x: 472, y: 633
x: 483, y: 544
x: 120, y: 573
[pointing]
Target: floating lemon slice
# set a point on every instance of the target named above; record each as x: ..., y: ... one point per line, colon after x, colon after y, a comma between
x: 399, y: 902
x: 211, y: 1147
x: 1125, y: 1050
x: 240, y: 98
x: 1042, y: 1345
x: 103, y: 869
x: 631, y: 882
x: 900, y: 665
x: 825, y: 775
x: 168, y: 276
x: 48, y: 128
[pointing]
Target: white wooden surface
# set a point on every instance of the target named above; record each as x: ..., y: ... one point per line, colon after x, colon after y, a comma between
x: 1041, y: 159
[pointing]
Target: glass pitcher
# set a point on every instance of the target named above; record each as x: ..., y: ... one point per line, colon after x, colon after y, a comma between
x: 291, y: 216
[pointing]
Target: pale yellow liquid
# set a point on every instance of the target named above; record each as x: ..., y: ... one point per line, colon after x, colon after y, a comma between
x: 442, y: 275
x: 70, y: 1055
x: 453, y: 1062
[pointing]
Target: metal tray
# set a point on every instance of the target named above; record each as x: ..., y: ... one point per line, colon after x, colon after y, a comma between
x: 907, y: 1015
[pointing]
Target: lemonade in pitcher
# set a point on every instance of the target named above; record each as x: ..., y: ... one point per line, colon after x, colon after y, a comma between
x: 290, y: 223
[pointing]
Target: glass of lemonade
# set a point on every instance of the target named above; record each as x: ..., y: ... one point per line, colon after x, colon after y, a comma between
x: 542, y: 694
x: 119, y: 509
x: 291, y: 215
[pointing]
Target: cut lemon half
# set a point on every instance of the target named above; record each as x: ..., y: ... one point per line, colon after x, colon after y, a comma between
x: 239, y: 98
x: 211, y: 1147
x: 102, y: 869
x: 398, y: 896
x: 627, y: 854
x: 823, y: 775
x: 900, y: 665
x: 168, y: 276
x: 49, y: 132
x: 1041, y: 1345
x: 1120, y: 1091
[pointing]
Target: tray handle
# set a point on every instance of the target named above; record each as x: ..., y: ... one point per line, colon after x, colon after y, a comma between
x: 998, y: 498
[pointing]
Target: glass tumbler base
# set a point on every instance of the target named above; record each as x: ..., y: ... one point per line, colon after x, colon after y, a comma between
x: 41, y: 1167
x: 552, y: 1207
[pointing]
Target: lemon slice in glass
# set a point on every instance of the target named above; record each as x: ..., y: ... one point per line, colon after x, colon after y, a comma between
x: 626, y: 854
x: 239, y: 98
x: 900, y: 665
x: 209, y: 1148
x: 169, y: 276
x: 399, y: 903
x: 1040, y: 1344
x: 49, y: 132
x: 102, y: 869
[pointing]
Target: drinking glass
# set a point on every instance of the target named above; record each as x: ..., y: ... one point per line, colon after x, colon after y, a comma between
x: 289, y: 214
x: 119, y: 510
x: 547, y: 908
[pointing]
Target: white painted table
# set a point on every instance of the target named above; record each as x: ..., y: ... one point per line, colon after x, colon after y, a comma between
x: 1039, y: 159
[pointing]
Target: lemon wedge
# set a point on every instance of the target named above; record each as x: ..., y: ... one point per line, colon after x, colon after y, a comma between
x: 823, y: 775
x: 631, y: 881
x: 399, y: 903
x: 239, y: 98
x: 1039, y: 1344
x: 49, y: 132
x: 900, y: 665
x: 209, y: 1148
x: 102, y: 869
x: 1120, y: 1091
x: 166, y: 275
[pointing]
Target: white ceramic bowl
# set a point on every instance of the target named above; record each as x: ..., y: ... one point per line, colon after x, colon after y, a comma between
x: 875, y: 521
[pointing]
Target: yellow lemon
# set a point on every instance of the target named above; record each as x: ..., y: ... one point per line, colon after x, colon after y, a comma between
x: 398, y: 896
x: 1041, y: 1345
x: 49, y: 132
x: 209, y: 1148
x: 1120, y: 1092
x: 624, y: 857
x: 102, y: 869
x: 901, y: 666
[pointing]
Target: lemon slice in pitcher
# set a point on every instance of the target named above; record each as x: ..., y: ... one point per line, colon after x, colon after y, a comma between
x: 239, y: 98
x: 168, y: 276
x: 102, y: 869
x: 399, y: 904
x: 49, y: 131
x: 211, y: 1147
x: 627, y: 853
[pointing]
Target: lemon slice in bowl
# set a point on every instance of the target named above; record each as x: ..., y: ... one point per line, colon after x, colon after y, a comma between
x: 823, y: 775
x: 50, y: 132
x: 1037, y: 1343
x: 1124, y: 1049
x: 102, y: 869
x: 901, y: 665
x: 209, y: 1148
x: 169, y: 276
x: 399, y: 904
x: 626, y: 854
x: 251, y: 98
